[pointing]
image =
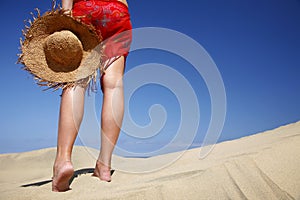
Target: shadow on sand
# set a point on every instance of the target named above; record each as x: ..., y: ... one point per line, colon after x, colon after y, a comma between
x: 76, y: 174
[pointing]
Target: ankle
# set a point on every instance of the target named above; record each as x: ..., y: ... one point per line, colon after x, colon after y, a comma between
x: 103, y: 165
x: 58, y: 163
x: 63, y: 156
x: 104, y: 160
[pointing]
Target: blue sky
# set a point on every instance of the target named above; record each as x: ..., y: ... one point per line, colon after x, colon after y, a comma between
x: 254, y: 44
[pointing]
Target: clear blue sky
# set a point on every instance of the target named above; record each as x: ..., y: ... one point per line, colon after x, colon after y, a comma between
x: 255, y: 45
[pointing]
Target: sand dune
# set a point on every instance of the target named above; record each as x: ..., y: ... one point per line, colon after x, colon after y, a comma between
x: 261, y: 166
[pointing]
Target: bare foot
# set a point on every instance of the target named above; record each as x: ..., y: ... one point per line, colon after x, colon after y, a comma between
x: 62, y: 174
x: 102, y: 171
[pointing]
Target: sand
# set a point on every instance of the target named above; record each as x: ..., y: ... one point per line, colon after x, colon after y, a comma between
x: 261, y: 166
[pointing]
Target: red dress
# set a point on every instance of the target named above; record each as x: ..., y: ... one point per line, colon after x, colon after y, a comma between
x: 111, y: 19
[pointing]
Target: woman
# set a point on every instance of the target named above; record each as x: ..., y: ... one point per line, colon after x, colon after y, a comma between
x: 111, y: 19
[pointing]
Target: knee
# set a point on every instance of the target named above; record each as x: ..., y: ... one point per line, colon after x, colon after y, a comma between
x: 112, y: 81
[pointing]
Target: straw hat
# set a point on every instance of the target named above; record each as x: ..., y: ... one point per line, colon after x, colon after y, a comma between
x: 60, y: 51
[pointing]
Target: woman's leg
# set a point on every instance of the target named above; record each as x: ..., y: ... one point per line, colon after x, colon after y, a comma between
x: 111, y: 116
x: 70, y: 117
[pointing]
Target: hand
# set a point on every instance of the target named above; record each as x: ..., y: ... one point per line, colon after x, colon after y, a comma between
x: 67, y: 12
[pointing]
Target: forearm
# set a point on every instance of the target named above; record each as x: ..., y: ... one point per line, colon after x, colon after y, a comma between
x: 67, y: 4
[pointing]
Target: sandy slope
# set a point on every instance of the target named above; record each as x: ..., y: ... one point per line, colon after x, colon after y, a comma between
x: 261, y: 166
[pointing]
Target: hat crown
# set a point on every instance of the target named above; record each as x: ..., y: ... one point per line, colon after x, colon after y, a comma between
x: 63, y: 51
